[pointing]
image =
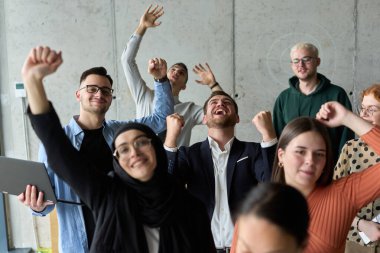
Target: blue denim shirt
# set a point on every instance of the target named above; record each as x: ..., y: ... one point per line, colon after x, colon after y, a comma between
x: 72, y: 232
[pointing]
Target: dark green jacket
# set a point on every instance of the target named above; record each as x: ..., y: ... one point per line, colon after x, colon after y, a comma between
x: 291, y: 103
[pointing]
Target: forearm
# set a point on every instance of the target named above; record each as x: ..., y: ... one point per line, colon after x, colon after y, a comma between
x: 139, y: 90
x: 37, y: 98
x: 163, y: 102
x: 140, y: 30
x: 357, y: 124
x: 215, y: 87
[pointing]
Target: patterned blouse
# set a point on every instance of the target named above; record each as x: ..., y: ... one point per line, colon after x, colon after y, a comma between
x: 356, y: 156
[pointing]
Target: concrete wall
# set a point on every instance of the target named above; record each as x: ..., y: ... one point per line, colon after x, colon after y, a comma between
x: 246, y: 42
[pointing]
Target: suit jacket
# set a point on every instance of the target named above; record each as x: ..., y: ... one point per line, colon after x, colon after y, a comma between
x: 247, y: 165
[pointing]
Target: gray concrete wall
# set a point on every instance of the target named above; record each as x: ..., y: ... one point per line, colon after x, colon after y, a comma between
x: 246, y: 43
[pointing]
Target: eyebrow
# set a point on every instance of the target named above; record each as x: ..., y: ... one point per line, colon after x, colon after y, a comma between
x: 223, y: 100
x: 137, y: 137
x: 303, y: 147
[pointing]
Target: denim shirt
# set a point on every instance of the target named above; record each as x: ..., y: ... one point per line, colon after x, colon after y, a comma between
x: 72, y: 232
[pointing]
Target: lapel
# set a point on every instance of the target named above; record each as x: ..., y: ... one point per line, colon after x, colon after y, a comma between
x: 208, y: 166
x: 236, y: 150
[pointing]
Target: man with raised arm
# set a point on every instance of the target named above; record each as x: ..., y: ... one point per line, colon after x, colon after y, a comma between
x: 90, y: 133
x: 177, y: 76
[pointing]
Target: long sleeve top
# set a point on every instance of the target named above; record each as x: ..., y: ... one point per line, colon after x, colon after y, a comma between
x: 143, y: 95
x: 332, y: 208
x: 292, y: 103
x: 72, y: 231
x: 357, y: 156
x: 121, y: 205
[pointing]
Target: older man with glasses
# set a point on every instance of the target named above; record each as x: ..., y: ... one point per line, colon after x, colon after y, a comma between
x: 307, y: 92
x: 91, y: 134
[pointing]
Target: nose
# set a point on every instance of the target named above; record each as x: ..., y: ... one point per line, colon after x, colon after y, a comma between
x: 310, y: 158
x: 133, y: 151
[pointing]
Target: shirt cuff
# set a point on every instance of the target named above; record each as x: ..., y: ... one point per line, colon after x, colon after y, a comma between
x: 267, y: 144
x: 170, y: 149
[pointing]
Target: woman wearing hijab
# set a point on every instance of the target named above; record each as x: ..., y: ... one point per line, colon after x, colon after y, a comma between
x: 141, y: 208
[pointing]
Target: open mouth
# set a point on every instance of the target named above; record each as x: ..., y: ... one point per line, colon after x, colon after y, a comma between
x: 220, y: 112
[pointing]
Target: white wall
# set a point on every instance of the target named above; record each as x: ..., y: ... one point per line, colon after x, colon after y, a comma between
x: 246, y: 43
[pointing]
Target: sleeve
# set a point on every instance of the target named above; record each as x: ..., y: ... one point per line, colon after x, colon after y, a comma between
x: 365, y: 184
x: 345, y: 133
x: 163, y: 106
x: 43, y: 158
x: 372, y: 138
x: 264, y: 163
x: 141, y: 93
x: 278, y: 117
x: 66, y: 161
x: 343, y: 164
x: 198, y: 114
x: 178, y: 164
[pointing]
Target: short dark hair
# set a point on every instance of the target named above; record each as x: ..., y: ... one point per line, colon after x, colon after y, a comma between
x: 292, y: 130
x: 101, y: 71
x: 220, y: 93
x: 282, y: 205
x: 182, y: 65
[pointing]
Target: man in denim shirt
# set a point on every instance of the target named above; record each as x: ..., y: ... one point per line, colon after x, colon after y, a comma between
x: 92, y: 135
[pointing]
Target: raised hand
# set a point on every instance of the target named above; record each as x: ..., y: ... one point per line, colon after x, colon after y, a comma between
x: 148, y: 19
x: 157, y: 67
x: 33, y: 199
x: 41, y: 61
x: 174, y: 123
x: 332, y: 114
x: 263, y: 123
x: 205, y: 74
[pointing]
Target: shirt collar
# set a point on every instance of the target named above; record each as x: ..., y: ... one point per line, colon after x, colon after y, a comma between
x: 214, y: 145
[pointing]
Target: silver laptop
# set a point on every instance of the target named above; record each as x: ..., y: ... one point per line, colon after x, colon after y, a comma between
x: 16, y: 174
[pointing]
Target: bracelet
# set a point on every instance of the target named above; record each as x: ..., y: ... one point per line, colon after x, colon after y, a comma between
x: 161, y: 80
x: 357, y: 224
x: 214, y: 85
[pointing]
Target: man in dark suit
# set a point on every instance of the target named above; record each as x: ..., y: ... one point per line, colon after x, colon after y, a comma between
x: 222, y: 169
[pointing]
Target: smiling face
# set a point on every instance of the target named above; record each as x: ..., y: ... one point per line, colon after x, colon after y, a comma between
x: 370, y: 109
x: 137, y: 157
x: 220, y: 112
x: 96, y: 103
x: 177, y: 76
x: 303, y: 159
x: 258, y: 235
x: 305, y: 71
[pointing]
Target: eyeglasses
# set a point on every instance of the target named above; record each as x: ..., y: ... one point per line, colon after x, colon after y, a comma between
x: 369, y: 110
x: 94, y: 89
x: 124, y: 150
x: 304, y: 60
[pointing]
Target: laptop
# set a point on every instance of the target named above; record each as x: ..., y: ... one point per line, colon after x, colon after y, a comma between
x: 16, y: 174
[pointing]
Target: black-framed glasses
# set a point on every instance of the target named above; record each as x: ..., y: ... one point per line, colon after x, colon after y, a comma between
x: 304, y: 60
x: 124, y: 150
x: 368, y: 110
x: 92, y: 88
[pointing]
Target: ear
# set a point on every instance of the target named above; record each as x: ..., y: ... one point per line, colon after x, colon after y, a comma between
x: 204, y: 120
x: 237, y: 119
x: 318, y: 61
x: 280, y: 154
x: 77, y: 95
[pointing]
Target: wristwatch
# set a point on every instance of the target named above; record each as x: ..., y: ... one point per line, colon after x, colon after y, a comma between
x: 161, y: 80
